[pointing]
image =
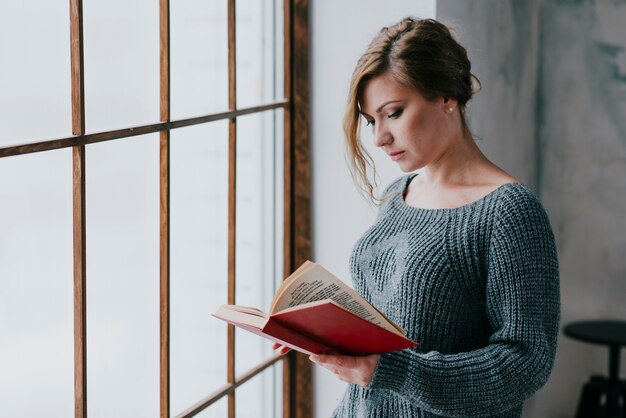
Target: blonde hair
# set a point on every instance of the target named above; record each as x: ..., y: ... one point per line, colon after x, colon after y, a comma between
x: 421, y: 54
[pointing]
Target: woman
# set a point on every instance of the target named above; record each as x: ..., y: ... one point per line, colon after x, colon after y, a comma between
x: 461, y: 255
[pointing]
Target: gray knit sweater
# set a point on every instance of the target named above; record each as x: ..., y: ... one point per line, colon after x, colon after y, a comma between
x: 478, y: 287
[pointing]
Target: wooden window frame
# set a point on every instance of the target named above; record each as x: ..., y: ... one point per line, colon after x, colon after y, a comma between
x: 297, y: 392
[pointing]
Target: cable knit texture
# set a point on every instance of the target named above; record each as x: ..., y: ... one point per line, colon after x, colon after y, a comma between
x: 478, y: 287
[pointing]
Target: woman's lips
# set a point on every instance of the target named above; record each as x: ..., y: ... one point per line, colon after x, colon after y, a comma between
x: 395, y: 156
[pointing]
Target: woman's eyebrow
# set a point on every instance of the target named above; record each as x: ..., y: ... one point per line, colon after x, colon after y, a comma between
x: 385, y: 104
x: 380, y: 107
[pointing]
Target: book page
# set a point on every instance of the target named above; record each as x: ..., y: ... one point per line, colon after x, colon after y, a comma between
x: 311, y: 282
x: 241, y: 315
x: 248, y: 310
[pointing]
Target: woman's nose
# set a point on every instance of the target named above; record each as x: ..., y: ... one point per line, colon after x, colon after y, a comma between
x: 382, y: 136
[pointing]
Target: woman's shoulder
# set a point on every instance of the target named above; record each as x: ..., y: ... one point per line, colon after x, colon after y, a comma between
x: 517, y: 203
x: 515, y: 195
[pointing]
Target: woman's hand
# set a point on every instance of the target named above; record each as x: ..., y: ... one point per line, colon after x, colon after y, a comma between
x: 357, y: 370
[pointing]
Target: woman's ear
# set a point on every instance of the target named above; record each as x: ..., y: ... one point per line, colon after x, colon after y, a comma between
x: 449, y: 104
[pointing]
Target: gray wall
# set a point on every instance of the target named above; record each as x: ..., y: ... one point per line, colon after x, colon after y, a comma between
x: 553, y: 113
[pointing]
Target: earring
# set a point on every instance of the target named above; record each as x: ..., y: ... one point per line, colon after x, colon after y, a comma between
x: 450, y: 109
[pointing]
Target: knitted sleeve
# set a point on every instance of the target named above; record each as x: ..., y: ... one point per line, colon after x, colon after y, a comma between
x: 522, y: 298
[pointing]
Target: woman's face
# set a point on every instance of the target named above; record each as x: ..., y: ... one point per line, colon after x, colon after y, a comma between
x: 413, y: 131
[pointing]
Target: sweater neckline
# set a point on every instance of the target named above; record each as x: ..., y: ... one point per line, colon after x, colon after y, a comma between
x: 465, y: 206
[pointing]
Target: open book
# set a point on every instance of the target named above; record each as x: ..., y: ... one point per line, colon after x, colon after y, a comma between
x: 315, y: 312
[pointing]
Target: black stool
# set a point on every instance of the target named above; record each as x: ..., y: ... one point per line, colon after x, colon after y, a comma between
x: 602, y: 397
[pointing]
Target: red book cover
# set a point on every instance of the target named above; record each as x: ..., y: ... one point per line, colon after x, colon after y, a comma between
x: 337, y: 329
x: 325, y: 327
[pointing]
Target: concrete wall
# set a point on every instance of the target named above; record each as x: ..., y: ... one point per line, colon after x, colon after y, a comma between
x: 553, y: 113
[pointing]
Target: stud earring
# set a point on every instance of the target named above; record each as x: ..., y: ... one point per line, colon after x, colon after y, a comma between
x: 450, y: 109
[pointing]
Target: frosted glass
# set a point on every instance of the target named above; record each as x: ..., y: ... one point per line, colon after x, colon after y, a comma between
x: 121, y: 42
x: 36, y: 285
x: 279, y: 50
x: 199, y: 58
x: 123, y: 278
x: 259, y: 237
x: 259, y: 52
x: 35, y: 83
x: 255, y: 398
x: 218, y: 410
x: 199, y: 270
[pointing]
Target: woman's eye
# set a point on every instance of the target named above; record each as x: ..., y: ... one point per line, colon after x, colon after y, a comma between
x: 395, y: 114
x: 369, y: 122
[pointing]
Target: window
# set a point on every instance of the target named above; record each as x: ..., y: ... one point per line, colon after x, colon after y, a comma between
x: 178, y: 182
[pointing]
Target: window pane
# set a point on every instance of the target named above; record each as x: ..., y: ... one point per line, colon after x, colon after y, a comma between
x: 36, y: 299
x: 35, y: 82
x: 121, y: 63
x: 199, y: 269
x: 199, y: 54
x: 259, y: 237
x: 218, y: 410
x: 279, y: 50
x: 256, y: 398
x: 259, y: 61
x: 122, y: 186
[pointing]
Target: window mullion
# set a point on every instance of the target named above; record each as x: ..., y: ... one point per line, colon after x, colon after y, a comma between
x: 164, y: 212
x: 78, y: 161
x: 288, y: 364
x: 232, y: 196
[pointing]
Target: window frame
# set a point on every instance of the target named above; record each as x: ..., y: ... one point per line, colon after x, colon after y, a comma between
x: 297, y: 391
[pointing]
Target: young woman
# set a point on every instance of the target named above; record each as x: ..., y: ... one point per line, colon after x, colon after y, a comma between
x: 461, y: 255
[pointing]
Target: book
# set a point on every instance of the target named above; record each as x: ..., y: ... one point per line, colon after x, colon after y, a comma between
x: 314, y: 312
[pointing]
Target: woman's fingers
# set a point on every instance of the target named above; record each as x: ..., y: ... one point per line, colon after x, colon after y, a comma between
x: 281, y: 348
x: 357, y: 370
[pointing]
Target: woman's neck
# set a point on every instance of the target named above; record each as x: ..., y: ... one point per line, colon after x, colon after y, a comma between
x: 459, y: 164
